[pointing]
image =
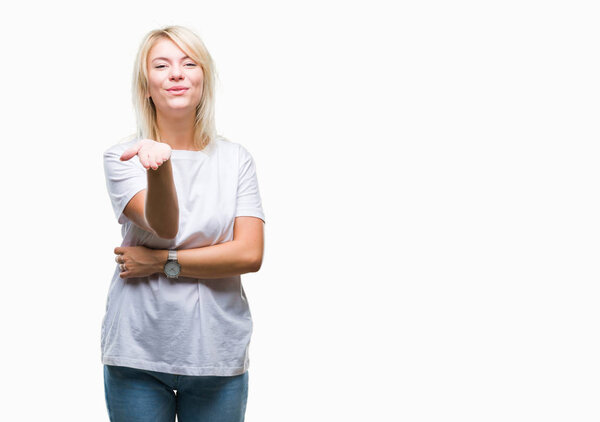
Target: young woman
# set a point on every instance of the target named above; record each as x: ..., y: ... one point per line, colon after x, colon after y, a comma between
x: 177, y: 328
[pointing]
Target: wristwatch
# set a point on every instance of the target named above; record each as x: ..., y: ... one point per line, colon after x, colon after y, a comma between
x: 172, y: 266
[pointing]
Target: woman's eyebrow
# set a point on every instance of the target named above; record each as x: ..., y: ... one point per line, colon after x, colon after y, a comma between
x: 164, y: 58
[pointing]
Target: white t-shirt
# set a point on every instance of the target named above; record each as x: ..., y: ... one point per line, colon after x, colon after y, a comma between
x: 185, y: 326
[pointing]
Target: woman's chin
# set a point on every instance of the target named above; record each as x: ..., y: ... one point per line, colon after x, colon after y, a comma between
x: 174, y: 109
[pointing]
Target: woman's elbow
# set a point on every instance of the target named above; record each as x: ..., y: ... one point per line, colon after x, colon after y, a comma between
x: 168, y: 236
x: 167, y: 233
x: 255, y: 264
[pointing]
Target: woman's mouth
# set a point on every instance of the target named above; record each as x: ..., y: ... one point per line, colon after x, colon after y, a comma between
x: 177, y: 91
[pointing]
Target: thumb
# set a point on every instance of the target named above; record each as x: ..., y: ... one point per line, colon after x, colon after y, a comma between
x: 131, y: 152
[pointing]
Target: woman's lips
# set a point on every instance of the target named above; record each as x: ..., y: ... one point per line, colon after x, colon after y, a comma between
x: 177, y: 91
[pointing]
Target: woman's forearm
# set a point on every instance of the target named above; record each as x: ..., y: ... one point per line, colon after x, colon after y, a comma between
x: 216, y: 261
x: 162, y: 208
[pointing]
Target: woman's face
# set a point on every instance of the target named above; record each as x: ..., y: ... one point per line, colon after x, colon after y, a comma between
x: 168, y: 68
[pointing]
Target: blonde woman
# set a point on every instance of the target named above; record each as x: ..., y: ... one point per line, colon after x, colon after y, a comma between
x: 177, y: 328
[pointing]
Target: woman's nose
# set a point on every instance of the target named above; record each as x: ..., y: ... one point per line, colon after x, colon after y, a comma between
x: 176, y: 72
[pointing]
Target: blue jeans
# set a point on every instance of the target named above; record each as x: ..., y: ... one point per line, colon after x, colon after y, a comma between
x: 134, y: 395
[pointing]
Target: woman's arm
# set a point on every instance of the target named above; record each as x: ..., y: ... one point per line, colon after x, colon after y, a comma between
x: 241, y: 255
x: 155, y: 209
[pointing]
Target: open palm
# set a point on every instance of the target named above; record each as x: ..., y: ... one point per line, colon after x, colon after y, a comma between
x: 150, y: 153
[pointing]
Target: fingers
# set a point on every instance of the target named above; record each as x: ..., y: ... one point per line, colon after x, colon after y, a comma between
x: 119, y: 259
x: 150, y: 159
x: 157, y: 157
x: 131, y: 152
x: 160, y: 153
x: 144, y: 159
x: 124, y: 271
x: 151, y: 154
x: 153, y: 163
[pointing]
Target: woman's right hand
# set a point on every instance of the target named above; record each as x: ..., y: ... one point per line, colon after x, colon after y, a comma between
x: 150, y: 153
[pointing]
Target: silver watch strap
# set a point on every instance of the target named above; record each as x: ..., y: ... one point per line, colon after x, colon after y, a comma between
x: 172, y: 255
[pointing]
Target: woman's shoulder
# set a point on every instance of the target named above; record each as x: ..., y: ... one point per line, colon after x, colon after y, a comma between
x: 228, y: 146
x: 224, y: 143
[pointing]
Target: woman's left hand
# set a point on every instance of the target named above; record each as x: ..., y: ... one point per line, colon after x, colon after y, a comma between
x: 138, y: 261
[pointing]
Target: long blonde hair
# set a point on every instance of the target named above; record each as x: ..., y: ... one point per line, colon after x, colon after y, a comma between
x: 145, y: 110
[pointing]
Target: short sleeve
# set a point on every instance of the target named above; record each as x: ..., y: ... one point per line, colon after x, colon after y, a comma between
x: 123, y: 180
x: 248, y: 194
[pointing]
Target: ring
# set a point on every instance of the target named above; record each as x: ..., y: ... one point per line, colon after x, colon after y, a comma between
x: 122, y: 267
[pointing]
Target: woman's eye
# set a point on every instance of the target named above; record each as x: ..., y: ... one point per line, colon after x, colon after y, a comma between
x: 160, y: 66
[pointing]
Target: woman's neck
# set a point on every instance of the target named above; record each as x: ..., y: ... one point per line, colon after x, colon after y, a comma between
x: 177, y: 131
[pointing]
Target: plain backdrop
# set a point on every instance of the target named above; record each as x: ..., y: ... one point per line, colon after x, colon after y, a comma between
x: 429, y: 176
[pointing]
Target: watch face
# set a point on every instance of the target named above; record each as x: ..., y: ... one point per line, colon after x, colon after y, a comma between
x: 172, y: 268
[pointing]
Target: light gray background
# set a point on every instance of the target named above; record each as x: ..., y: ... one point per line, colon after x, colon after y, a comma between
x: 429, y: 176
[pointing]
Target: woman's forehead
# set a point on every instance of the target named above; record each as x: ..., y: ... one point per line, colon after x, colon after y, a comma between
x: 166, y: 49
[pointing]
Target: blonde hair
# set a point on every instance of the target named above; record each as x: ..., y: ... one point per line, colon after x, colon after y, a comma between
x: 145, y: 110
